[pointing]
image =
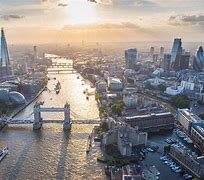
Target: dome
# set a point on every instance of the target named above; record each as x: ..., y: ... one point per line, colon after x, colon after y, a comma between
x: 16, y: 98
x: 198, y: 62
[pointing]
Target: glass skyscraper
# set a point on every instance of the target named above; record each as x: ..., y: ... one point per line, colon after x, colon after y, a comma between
x: 198, y: 61
x: 130, y: 58
x: 5, y: 68
x: 175, y: 51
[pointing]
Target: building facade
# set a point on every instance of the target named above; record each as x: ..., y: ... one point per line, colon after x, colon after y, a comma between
x: 152, y: 122
x: 130, y: 58
x: 176, y: 50
x: 5, y: 66
x: 198, y: 61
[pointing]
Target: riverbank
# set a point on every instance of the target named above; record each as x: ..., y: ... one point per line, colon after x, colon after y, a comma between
x: 21, y: 108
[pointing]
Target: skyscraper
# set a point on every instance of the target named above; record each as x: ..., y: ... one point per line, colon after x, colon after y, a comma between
x: 35, y: 52
x: 130, y: 58
x: 5, y: 68
x: 198, y: 61
x: 181, y: 62
x: 161, y: 51
x: 151, y: 50
x: 165, y: 64
x: 176, y: 50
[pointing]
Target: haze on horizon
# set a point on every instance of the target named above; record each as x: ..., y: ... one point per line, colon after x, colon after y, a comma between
x: 61, y: 21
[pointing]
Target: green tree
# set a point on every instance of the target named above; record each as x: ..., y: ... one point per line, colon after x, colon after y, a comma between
x: 201, y: 116
x: 180, y: 101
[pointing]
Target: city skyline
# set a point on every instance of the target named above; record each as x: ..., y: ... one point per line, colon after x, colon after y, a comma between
x: 49, y: 21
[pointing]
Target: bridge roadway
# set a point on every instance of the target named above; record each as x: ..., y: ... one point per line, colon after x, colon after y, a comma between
x: 77, y: 121
x: 61, y: 70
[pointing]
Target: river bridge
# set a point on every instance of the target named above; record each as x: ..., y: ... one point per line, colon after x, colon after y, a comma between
x: 58, y: 68
x: 38, y: 121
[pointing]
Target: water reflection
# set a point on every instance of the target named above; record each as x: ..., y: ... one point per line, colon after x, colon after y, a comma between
x: 50, y: 153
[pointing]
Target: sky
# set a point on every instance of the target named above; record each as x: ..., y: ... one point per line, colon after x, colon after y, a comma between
x: 61, y: 21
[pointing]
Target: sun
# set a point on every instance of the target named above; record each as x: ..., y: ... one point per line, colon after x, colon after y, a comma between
x: 80, y: 12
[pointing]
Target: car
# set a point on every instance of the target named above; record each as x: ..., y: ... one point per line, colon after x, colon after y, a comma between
x: 166, y: 162
x: 162, y: 158
x: 178, y: 171
x: 189, y: 177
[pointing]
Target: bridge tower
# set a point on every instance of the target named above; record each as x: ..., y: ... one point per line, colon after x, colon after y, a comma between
x: 37, y: 116
x: 67, y: 122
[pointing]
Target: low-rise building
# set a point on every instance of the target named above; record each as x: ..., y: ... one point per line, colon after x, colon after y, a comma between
x: 114, y: 84
x: 130, y: 100
x: 152, y: 122
x: 174, y: 90
x: 187, y: 85
x: 189, y: 162
x: 101, y: 86
x: 197, y: 136
x: 130, y: 172
x: 125, y: 137
x: 188, y: 119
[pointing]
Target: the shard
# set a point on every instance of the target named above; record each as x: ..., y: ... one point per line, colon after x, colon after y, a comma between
x: 5, y: 68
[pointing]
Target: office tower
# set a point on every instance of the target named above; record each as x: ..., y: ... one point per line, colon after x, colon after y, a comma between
x: 161, y: 51
x: 165, y: 64
x: 151, y: 50
x: 35, y: 52
x: 198, y: 61
x: 155, y: 57
x: 5, y: 67
x: 130, y: 58
x: 176, y: 50
x: 181, y: 62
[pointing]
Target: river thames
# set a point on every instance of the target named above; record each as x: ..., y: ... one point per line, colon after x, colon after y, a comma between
x: 51, y: 153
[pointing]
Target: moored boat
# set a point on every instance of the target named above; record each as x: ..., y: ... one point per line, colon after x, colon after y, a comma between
x: 3, y: 153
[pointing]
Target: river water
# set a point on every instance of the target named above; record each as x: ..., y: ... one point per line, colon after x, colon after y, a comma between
x: 51, y: 153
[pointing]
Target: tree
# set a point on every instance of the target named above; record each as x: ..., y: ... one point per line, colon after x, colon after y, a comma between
x: 201, y: 116
x: 180, y: 101
x: 98, y: 96
x: 162, y: 87
x: 117, y: 108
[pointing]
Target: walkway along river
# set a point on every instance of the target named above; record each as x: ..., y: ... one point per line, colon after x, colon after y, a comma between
x: 50, y: 153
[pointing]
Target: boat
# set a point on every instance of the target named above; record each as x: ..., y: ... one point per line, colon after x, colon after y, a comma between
x: 3, y: 153
x: 88, y: 144
x: 57, y: 91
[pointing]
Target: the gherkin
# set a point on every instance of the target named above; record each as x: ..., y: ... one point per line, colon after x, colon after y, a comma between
x: 198, y: 61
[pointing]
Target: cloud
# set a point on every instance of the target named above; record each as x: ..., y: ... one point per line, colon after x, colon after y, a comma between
x: 104, y: 26
x: 93, y: 1
x: 194, y: 19
x: 11, y: 16
x: 127, y: 2
x: 62, y: 5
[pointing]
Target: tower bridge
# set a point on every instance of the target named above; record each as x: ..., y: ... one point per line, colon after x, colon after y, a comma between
x: 38, y: 121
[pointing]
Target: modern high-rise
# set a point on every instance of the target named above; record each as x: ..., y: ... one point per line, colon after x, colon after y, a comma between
x: 151, y: 50
x: 5, y: 67
x: 161, y: 51
x: 198, y: 61
x: 35, y: 52
x: 130, y: 58
x: 175, y: 51
x: 165, y: 64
